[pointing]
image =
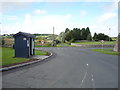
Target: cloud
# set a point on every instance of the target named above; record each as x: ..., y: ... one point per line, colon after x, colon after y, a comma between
x: 104, y: 22
x: 39, y: 24
x: 58, y: 0
x: 27, y: 20
x: 99, y: 0
x: 7, y: 17
x: 68, y: 16
x: 12, y: 6
x: 38, y: 12
x: 83, y: 13
x: 112, y: 6
x: 106, y: 17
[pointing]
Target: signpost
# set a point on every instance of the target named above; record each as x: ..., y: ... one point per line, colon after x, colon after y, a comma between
x: 102, y: 41
x: 42, y: 42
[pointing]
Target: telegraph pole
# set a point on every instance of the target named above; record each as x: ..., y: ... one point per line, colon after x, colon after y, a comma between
x: 53, y: 33
x: 109, y: 33
x: 53, y: 36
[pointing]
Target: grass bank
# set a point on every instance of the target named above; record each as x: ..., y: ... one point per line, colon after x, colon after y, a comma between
x: 8, y: 56
x: 106, y: 51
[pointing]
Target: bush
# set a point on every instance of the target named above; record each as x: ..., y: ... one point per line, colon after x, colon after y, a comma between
x: 72, y: 40
x: 3, y: 42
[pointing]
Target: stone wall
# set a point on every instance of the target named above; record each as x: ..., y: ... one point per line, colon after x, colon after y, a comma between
x: 92, y: 46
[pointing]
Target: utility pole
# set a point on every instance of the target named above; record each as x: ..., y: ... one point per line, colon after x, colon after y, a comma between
x: 0, y: 28
x: 109, y: 33
x: 53, y: 36
x: 53, y: 33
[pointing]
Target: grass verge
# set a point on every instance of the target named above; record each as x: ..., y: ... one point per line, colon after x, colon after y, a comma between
x: 106, y: 51
x: 43, y: 46
x: 8, y: 56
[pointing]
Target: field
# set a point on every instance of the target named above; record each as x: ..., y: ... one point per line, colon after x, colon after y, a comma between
x: 106, y: 51
x: 8, y: 56
x: 96, y: 43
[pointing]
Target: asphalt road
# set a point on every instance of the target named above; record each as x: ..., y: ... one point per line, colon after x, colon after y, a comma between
x: 69, y: 67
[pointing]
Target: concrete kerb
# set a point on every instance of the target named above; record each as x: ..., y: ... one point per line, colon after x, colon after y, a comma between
x: 24, y: 64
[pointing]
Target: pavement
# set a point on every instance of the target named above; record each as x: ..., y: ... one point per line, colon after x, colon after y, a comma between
x: 68, y: 67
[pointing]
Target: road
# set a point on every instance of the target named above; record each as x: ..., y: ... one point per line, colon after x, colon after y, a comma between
x: 69, y: 67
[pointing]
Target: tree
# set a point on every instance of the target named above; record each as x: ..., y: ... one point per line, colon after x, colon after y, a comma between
x: 89, y: 37
x: 102, y: 36
x: 88, y: 31
x: 67, y: 30
x: 3, y: 42
x: 61, y: 37
x: 95, y: 36
x: 83, y: 34
x: 69, y: 35
x: 76, y: 33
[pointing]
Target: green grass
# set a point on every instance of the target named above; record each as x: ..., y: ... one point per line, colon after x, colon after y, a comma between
x: 66, y: 44
x: 96, y: 42
x: 43, y: 46
x: 106, y: 51
x: 8, y: 56
x: 114, y: 38
x: 40, y: 52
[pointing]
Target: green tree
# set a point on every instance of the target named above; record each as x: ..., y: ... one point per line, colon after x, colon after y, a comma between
x: 88, y: 31
x: 83, y: 34
x: 89, y: 37
x: 61, y: 37
x: 69, y: 35
x: 95, y: 36
x: 102, y: 36
x: 76, y: 34
x: 67, y: 30
x: 3, y: 42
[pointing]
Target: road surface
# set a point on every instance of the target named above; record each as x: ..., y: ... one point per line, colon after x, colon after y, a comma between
x: 69, y: 67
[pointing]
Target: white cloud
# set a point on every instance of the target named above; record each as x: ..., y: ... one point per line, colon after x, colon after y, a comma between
x: 58, y: 0
x: 68, y: 16
x: 12, y: 6
x: 104, y: 22
x: 106, y: 17
x: 83, y: 13
x: 7, y: 17
x: 40, y: 24
x: 27, y: 20
x: 110, y: 7
x: 38, y: 11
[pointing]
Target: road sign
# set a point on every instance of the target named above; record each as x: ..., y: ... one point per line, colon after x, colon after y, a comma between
x: 42, y: 41
x: 102, y: 41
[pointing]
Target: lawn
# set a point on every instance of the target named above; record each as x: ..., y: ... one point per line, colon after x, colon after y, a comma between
x: 43, y: 46
x: 96, y: 42
x: 8, y: 56
x: 106, y: 51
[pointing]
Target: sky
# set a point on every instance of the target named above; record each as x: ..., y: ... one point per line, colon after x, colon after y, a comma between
x: 41, y: 17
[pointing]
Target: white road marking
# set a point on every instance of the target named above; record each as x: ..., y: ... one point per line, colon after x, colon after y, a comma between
x: 93, y: 82
x: 83, y: 79
x: 87, y: 64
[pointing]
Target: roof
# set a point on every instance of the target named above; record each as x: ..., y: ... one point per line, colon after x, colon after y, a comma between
x: 24, y: 34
